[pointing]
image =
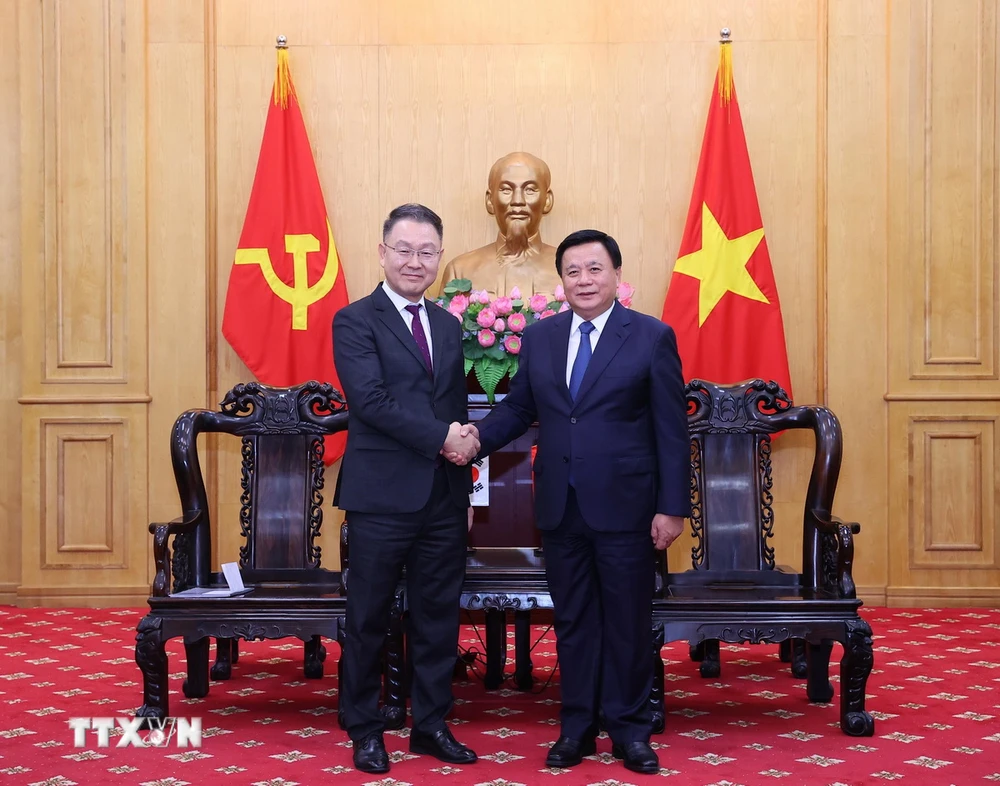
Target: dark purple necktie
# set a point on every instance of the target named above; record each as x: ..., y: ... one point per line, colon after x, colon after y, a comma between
x: 420, y: 337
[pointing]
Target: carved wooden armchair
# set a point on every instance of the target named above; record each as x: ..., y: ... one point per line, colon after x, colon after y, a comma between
x: 734, y: 591
x: 281, y: 515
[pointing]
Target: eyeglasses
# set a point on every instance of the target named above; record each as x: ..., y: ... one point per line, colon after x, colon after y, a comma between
x: 406, y: 254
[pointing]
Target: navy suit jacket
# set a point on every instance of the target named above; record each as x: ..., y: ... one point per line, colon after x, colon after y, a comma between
x: 626, y: 434
x: 399, y: 414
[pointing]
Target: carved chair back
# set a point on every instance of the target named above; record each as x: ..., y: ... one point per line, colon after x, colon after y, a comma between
x: 732, y: 519
x: 282, y: 433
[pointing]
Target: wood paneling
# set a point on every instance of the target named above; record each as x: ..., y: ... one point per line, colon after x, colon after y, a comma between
x: 10, y: 317
x: 872, y: 134
x: 943, y: 269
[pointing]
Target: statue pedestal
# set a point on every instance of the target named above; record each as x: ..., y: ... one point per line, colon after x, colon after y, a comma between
x: 505, y: 571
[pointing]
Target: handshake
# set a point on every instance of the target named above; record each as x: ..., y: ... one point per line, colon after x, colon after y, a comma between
x: 462, y: 443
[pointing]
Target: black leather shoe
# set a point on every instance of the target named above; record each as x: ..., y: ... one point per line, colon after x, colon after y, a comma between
x: 568, y: 752
x: 441, y: 745
x: 370, y: 755
x: 638, y: 757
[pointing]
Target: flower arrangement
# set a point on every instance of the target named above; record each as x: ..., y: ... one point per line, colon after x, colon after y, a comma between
x: 491, y: 329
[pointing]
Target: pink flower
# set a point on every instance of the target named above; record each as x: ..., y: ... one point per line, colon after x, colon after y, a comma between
x: 512, y: 344
x: 547, y: 313
x: 499, y: 326
x: 625, y: 290
x: 459, y: 317
x: 538, y: 302
x: 459, y: 303
x: 484, y: 297
x: 564, y: 307
x: 502, y: 306
x: 487, y: 338
x: 560, y: 292
x: 515, y: 293
x: 626, y: 301
x: 517, y: 322
x: 486, y: 318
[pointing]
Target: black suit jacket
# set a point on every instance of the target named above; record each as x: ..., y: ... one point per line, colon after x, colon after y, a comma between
x: 399, y: 414
x: 626, y: 434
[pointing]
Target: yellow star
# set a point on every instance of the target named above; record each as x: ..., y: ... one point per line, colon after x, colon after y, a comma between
x: 721, y: 265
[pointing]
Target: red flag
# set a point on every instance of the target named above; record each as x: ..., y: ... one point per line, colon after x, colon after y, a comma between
x: 287, y: 281
x: 722, y: 300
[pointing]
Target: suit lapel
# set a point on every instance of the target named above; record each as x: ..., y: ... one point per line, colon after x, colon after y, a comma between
x: 393, y: 320
x: 559, y: 347
x: 615, y: 332
x: 437, y: 318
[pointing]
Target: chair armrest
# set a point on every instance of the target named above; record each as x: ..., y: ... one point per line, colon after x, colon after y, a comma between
x: 843, y: 532
x: 161, y: 549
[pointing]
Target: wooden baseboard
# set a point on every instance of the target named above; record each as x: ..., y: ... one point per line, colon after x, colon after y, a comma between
x: 943, y: 597
x: 8, y: 593
x: 83, y: 597
x: 872, y: 596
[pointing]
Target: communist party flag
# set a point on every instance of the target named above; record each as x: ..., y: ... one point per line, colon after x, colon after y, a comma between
x: 722, y: 301
x: 286, y: 281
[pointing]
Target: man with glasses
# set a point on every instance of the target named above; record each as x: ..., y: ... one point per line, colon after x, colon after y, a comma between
x: 399, y: 359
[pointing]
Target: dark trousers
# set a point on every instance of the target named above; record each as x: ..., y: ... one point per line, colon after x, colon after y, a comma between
x: 431, y: 544
x: 602, y: 595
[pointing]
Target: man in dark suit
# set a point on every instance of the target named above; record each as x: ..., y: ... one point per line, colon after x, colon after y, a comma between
x: 399, y: 359
x: 612, y: 477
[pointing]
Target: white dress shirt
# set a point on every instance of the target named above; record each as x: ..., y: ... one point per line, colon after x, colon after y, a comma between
x: 574, y: 337
x: 401, y: 303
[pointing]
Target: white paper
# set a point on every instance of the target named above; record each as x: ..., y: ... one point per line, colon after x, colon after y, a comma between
x: 231, y: 570
x: 480, y: 496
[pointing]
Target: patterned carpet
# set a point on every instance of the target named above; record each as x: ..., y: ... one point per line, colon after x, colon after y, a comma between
x: 935, y: 693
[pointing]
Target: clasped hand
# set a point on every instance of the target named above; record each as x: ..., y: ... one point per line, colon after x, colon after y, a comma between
x: 462, y: 443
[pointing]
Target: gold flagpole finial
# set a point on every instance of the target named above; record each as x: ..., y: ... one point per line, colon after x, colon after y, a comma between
x: 725, y: 75
x: 282, y: 76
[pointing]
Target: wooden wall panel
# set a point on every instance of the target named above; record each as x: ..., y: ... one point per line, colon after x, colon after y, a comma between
x: 852, y: 308
x: 87, y: 493
x: 942, y: 336
x: 943, y: 467
x: 10, y: 317
x: 943, y: 292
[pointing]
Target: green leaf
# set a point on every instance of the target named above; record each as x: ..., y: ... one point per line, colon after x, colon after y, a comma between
x: 473, y: 351
x: 457, y: 285
x: 496, y: 352
x: 468, y: 365
x: 513, y: 365
x: 489, y: 372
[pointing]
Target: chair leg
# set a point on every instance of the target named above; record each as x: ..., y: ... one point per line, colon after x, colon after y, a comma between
x: 697, y: 651
x: 711, y: 665
x: 522, y: 650
x: 225, y: 657
x: 800, y: 668
x: 496, y: 648
x: 785, y: 651
x: 394, y: 695
x: 657, y: 705
x: 151, y: 658
x: 819, y: 689
x: 196, y: 684
x: 313, y: 655
x: 855, y: 667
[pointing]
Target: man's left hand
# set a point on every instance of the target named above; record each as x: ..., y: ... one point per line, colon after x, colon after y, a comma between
x: 472, y: 514
x: 666, y: 529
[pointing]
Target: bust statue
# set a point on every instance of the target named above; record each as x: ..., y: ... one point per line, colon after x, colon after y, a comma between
x: 517, y: 195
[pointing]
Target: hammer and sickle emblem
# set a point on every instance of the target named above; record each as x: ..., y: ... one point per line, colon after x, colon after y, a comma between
x: 300, y: 295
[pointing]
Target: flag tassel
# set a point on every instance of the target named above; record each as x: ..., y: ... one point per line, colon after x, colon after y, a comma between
x: 283, y: 87
x: 725, y: 68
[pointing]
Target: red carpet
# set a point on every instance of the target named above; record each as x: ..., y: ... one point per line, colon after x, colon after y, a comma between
x: 935, y: 693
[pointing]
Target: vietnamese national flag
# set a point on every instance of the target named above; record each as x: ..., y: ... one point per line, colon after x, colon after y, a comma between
x: 287, y: 281
x: 722, y: 301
